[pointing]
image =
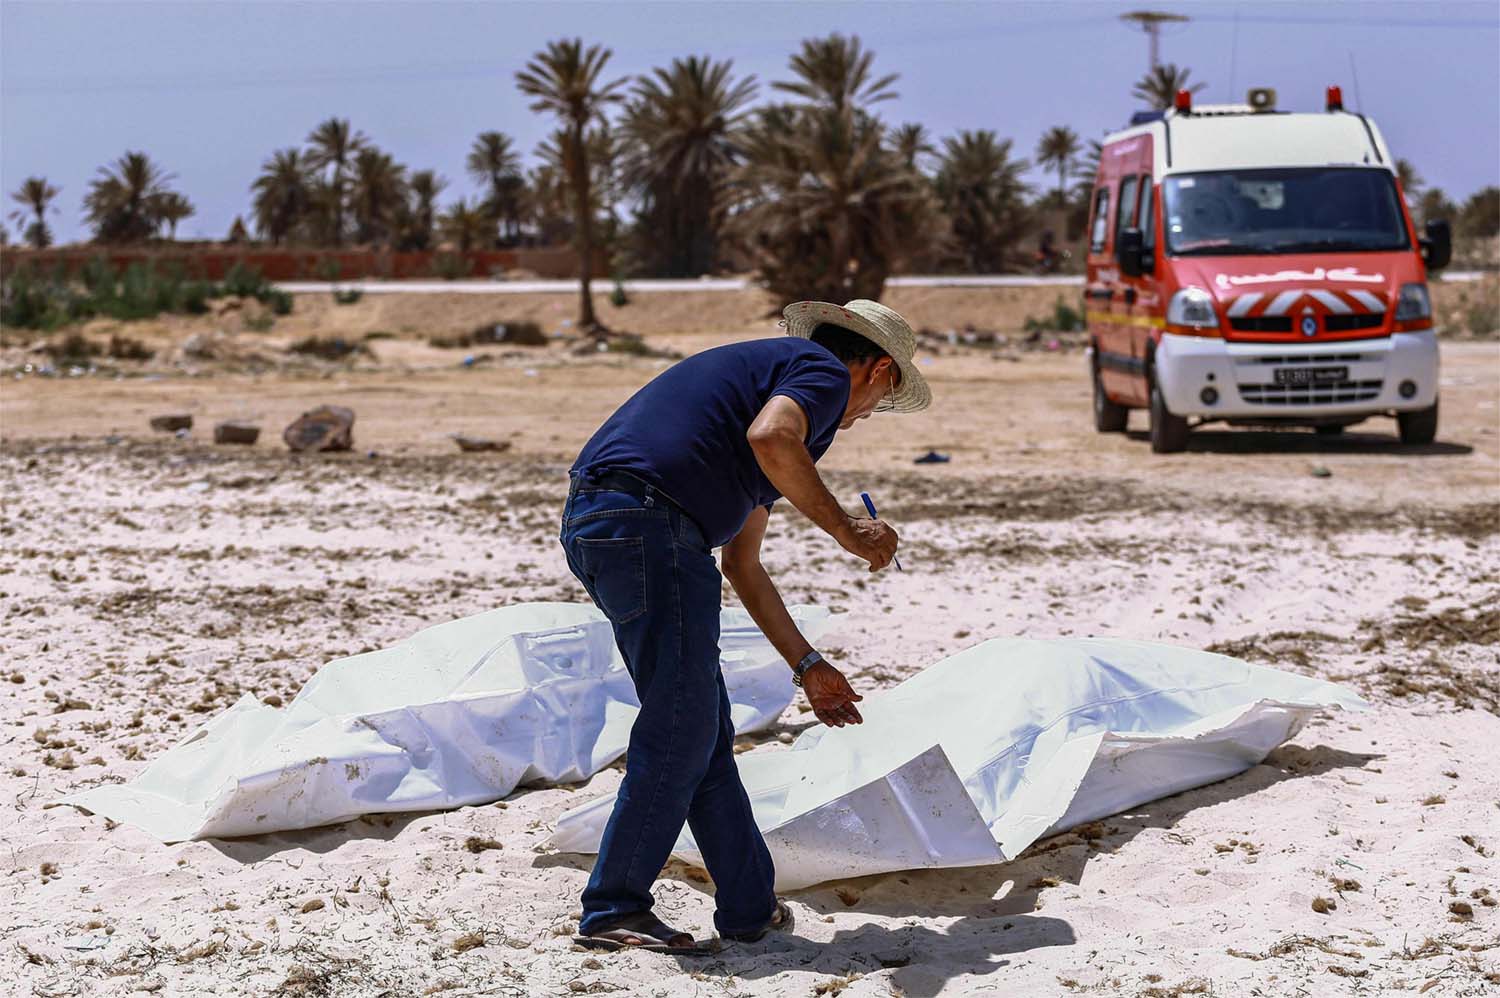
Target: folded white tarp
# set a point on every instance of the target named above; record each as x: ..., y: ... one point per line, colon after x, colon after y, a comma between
x: 975, y: 758
x: 457, y: 714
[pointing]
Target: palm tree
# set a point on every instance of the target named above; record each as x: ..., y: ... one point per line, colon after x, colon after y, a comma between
x: 1481, y: 214
x: 1435, y: 204
x: 678, y: 137
x: 172, y: 208
x: 981, y: 188
x: 1057, y: 149
x: 545, y: 205
x: 334, y: 144
x: 825, y: 208
x: 494, y: 163
x: 564, y: 80
x: 1081, y: 197
x: 835, y: 72
x: 283, y: 195
x: 377, y: 195
x: 912, y: 142
x: 122, y: 200
x: 1411, y: 181
x: 35, y: 196
x: 424, y: 187
x: 822, y: 202
x: 1159, y: 87
x: 464, y: 223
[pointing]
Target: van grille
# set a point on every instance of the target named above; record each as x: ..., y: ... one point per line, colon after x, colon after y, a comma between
x: 1344, y: 323
x: 1330, y: 394
x: 1261, y: 323
x: 1316, y: 359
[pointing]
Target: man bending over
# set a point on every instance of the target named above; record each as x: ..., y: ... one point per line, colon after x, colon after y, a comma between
x: 693, y: 462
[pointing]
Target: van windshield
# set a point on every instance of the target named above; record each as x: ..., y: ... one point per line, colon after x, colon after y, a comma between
x: 1303, y: 210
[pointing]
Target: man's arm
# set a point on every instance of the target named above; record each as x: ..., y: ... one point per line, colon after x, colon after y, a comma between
x: 778, y: 438
x: 829, y: 693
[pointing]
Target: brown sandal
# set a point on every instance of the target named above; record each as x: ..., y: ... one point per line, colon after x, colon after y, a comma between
x: 640, y: 930
x: 781, y: 921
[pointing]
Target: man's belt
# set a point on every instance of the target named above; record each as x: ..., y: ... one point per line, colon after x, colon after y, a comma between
x: 624, y: 481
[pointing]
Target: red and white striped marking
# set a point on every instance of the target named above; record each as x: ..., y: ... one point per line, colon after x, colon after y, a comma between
x: 1359, y: 302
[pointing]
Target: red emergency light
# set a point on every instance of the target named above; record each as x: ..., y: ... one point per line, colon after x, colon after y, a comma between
x: 1183, y: 102
x: 1335, y: 98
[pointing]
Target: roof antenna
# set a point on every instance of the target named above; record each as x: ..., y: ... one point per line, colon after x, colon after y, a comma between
x: 1355, y: 74
x: 1234, y: 45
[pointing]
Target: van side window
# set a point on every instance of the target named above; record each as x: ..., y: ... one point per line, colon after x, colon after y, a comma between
x: 1100, y: 231
x: 1148, y: 220
x: 1125, y: 213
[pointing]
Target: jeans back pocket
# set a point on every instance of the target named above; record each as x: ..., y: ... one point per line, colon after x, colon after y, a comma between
x: 614, y: 570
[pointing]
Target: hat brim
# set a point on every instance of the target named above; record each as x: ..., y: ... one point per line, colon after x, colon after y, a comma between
x: 801, y: 318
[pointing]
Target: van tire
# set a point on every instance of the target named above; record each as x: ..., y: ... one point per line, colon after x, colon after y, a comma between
x: 1420, y: 427
x: 1109, y: 415
x: 1169, y: 432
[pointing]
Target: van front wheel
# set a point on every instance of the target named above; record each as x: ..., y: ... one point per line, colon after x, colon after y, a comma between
x: 1109, y: 416
x: 1169, y: 433
x: 1418, y: 427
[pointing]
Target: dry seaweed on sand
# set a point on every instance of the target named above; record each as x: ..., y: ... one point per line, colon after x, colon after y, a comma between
x: 1431, y: 677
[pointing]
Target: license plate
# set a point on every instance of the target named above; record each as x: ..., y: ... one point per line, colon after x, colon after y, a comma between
x: 1302, y: 377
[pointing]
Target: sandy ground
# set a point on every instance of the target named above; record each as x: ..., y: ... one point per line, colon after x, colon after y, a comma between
x: 146, y: 582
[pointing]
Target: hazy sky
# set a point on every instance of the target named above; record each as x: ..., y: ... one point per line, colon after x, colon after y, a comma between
x: 211, y: 89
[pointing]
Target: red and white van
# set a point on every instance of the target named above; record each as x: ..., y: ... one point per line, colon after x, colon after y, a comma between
x: 1258, y: 267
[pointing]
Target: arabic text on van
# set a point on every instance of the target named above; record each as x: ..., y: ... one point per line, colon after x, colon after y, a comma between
x: 1348, y: 274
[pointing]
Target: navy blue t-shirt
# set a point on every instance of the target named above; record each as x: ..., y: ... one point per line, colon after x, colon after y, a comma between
x: 684, y: 432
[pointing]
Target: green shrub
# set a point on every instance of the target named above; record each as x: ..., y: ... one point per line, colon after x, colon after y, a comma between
x: 618, y: 298
x: 1483, y: 318
x: 127, y: 348
x: 347, y: 296
x: 329, y: 348
x: 633, y: 345
x: 244, y: 281
x: 327, y: 269
x: 451, y: 266
x: 192, y: 297
x: 277, y: 300
x: 523, y: 333
x: 1065, y: 317
x: 74, y: 348
x: 30, y: 302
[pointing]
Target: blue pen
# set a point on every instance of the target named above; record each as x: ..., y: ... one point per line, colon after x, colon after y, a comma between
x: 870, y: 508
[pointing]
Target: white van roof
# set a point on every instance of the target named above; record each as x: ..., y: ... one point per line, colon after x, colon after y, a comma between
x: 1232, y: 137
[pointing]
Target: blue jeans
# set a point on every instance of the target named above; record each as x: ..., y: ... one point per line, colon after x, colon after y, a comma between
x: 647, y: 567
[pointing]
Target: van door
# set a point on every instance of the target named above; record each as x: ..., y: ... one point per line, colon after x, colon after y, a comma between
x: 1126, y: 293
x: 1148, y: 312
x: 1112, y: 339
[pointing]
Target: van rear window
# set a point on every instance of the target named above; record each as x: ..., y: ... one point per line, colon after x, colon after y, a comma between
x: 1303, y: 210
x: 1100, y: 233
x: 1125, y: 213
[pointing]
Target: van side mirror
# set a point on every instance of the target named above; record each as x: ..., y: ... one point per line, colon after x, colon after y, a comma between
x: 1129, y: 249
x: 1437, y: 245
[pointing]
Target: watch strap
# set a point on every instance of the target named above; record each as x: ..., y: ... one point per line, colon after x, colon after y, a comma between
x: 809, y: 660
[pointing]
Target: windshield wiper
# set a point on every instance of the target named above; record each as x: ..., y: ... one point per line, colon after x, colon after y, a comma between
x: 1225, y: 249
x: 1326, y: 245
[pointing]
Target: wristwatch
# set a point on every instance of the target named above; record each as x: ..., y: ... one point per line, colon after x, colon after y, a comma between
x: 809, y: 660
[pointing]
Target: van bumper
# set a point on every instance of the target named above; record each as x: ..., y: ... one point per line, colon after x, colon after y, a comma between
x: 1243, y: 376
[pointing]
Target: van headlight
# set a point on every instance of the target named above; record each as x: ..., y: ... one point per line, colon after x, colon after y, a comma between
x: 1413, y: 304
x: 1192, y: 311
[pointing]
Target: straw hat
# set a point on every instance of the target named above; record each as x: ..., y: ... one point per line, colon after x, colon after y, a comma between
x: 878, y: 324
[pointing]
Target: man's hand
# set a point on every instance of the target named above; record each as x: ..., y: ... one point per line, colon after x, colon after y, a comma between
x: 831, y: 696
x: 873, y: 540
